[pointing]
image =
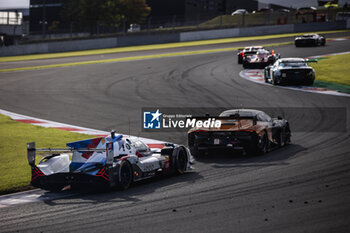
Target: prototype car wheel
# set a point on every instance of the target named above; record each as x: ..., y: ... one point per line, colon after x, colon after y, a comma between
x: 125, y: 176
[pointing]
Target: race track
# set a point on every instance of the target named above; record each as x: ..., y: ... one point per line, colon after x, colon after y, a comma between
x: 304, y: 187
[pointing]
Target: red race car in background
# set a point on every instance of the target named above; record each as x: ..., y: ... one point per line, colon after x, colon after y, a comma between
x: 260, y: 59
x: 247, y: 51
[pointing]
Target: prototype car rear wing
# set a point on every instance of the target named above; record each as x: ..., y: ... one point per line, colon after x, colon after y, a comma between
x: 31, y: 152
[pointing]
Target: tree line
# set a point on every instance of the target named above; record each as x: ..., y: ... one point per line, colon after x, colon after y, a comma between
x: 114, y: 13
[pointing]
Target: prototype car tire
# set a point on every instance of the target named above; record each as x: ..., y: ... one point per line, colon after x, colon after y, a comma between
x: 125, y: 175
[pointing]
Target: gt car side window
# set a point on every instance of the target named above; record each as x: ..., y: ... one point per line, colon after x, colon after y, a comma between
x: 268, y: 118
x: 259, y: 117
x: 263, y: 117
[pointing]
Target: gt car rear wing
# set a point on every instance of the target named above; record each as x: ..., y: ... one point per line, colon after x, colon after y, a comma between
x: 31, y: 152
x: 231, y: 117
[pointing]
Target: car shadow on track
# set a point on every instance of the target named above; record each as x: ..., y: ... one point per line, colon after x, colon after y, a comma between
x: 133, y: 194
x: 278, y: 156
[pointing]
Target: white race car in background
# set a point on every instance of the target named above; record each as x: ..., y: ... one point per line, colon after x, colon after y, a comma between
x: 290, y: 71
x: 310, y: 40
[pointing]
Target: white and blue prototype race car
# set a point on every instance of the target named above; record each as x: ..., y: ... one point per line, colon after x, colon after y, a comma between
x: 104, y: 162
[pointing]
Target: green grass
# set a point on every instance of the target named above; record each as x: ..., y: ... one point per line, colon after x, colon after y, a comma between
x: 151, y: 47
x: 15, y: 173
x: 257, y: 19
x: 332, y: 86
x: 174, y: 54
x: 266, y: 18
x: 333, y: 72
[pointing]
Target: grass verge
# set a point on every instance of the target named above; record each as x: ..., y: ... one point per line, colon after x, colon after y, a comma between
x: 14, y: 169
x: 150, y: 47
x: 175, y: 54
x: 333, y: 72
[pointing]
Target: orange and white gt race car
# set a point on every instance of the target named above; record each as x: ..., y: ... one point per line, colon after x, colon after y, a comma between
x: 249, y: 131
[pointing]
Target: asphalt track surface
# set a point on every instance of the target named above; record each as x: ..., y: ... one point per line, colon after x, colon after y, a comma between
x: 304, y: 187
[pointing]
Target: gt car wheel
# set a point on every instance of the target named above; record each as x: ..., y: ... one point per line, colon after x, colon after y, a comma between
x: 273, y: 81
x: 191, y: 144
x: 258, y: 146
x: 180, y: 163
x: 288, y: 135
x: 281, y: 139
x: 265, y: 76
x: 263, y: 145
x: 194, y: 151
x: 125, y: 175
